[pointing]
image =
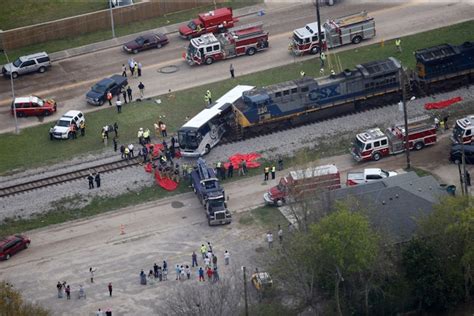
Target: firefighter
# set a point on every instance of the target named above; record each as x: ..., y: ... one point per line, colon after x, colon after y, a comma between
x: 266, y: 172
x: 82, y: 126
x: 208, y: 97
x: 146, y: 136
x: 323, y: 59
x: 273, y: 172
x: 398, y: 45
x: 140, y: 136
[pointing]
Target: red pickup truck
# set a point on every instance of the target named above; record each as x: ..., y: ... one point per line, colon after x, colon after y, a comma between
x: 210, y: 22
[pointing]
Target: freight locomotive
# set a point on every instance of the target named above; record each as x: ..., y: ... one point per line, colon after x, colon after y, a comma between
x: 296, y: 102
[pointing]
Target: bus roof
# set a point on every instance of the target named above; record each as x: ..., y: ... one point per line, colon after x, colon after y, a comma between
x: 208, y: 113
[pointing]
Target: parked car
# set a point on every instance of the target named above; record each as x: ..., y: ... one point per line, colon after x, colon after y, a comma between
x: 39, y: 62
x: 62, y: 129
x: 455, y: 155
x: 33, y: 106
x: 13, y: 244
x: 98, y: 93
x: 145, y: 42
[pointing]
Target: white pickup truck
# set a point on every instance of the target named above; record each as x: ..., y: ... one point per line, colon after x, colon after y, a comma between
x: 368, y: 175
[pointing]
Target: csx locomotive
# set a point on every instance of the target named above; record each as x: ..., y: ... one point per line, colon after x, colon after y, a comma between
x: 296, y: 102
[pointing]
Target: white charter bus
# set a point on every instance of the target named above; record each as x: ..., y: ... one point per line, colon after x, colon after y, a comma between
x: 204, y: 131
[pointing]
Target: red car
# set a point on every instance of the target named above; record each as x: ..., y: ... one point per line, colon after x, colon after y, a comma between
x: 146, y: 41
x: 33, y: 106
x: 13, y: 244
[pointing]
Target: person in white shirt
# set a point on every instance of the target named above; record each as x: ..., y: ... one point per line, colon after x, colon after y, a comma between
x: 226, y: 258
x: 270, y: 239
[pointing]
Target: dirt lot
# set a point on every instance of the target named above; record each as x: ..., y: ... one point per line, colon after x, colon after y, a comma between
x: 167, y: 229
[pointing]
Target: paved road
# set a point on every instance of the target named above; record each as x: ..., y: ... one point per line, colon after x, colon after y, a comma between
x: 69, y: 79
x: 166, y: 229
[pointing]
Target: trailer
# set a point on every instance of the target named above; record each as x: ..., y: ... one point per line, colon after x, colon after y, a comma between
x: 210, y: 193
x: 238, y: 41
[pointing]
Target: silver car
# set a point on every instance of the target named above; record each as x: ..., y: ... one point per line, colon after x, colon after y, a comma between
x: 25, y: 64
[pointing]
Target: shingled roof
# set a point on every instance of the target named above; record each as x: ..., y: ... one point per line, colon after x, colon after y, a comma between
x: 395, y: 204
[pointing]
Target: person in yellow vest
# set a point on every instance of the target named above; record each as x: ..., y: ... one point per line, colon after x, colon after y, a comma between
x: 126, y: 152
x: 146, y: 136
x: 322, y: 56
x: 199, y: 28
x: 398, y: 45
x: 208, y: 97
x: 302, y: 74
x: 273, y: 172
x: 266, y: 172
x: 140, y: 136
x: 203, y: 251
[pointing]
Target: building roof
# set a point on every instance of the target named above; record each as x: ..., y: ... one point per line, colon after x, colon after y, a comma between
x: 395, y: 204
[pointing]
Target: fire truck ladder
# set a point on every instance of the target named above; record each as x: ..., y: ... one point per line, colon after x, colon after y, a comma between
x: 246, y: 26
x: 351, y: 18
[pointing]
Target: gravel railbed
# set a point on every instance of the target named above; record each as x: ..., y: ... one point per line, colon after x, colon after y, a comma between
x: 76, y: 194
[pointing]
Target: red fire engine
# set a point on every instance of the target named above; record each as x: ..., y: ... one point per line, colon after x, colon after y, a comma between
x: 238, y: 41
x: 374, y: 144
x: 464, y: 129
x: 341, y: 31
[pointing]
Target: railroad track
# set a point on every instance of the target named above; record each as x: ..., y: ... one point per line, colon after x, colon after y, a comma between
x: 67, y: 177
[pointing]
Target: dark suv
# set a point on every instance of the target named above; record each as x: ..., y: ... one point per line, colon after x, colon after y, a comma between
x: 13, y: 244
x: 456, y: 154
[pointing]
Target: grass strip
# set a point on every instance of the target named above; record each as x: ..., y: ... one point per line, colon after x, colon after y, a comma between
x: 34, y: 141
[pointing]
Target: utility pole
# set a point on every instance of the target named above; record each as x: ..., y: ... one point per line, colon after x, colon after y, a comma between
x: 245, y: 292
x: 17, y: 130
x: 112, y: 19
x: 405, y: 116
x: 320, y: 40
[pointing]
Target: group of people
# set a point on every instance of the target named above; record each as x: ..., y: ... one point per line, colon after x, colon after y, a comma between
x: 93, y: 177
x: 443, y: 124
x: 105, y: 133
x: 184, y: 271
x: 135, y: 68
x: 269, y: 236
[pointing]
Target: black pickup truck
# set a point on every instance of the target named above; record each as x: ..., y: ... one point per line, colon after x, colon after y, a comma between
x: 98, y: 93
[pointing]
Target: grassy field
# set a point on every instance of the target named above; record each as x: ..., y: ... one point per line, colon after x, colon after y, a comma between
x: 34, y: 141
x: 120, y: 30
x: 17, y: 13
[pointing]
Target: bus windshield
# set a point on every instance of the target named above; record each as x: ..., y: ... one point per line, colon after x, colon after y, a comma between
x: 189, y: 139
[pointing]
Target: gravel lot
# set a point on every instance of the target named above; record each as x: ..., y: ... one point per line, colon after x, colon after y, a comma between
x: 283, y: 143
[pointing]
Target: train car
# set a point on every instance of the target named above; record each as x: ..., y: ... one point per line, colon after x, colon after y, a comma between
x: 444, y: 67
x: 308, y: 99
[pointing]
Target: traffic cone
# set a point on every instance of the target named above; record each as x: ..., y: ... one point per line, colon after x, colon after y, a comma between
x: 122, y: 229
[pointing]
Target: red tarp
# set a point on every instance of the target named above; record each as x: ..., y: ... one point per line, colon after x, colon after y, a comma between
x: 165, y: 183
x: 442, y: 104
x: 249, y: 158
x: 148, y: 167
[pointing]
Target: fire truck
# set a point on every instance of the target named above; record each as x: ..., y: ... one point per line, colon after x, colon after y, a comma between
x: 238, y: 41
x: 464, y: 129
x: 348, y: 29
x: 374, y: 144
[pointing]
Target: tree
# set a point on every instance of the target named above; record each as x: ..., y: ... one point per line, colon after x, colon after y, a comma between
x: 12, y: 304
x: 439, y: 263
x: 344, y: 245
x: 223, y: 297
